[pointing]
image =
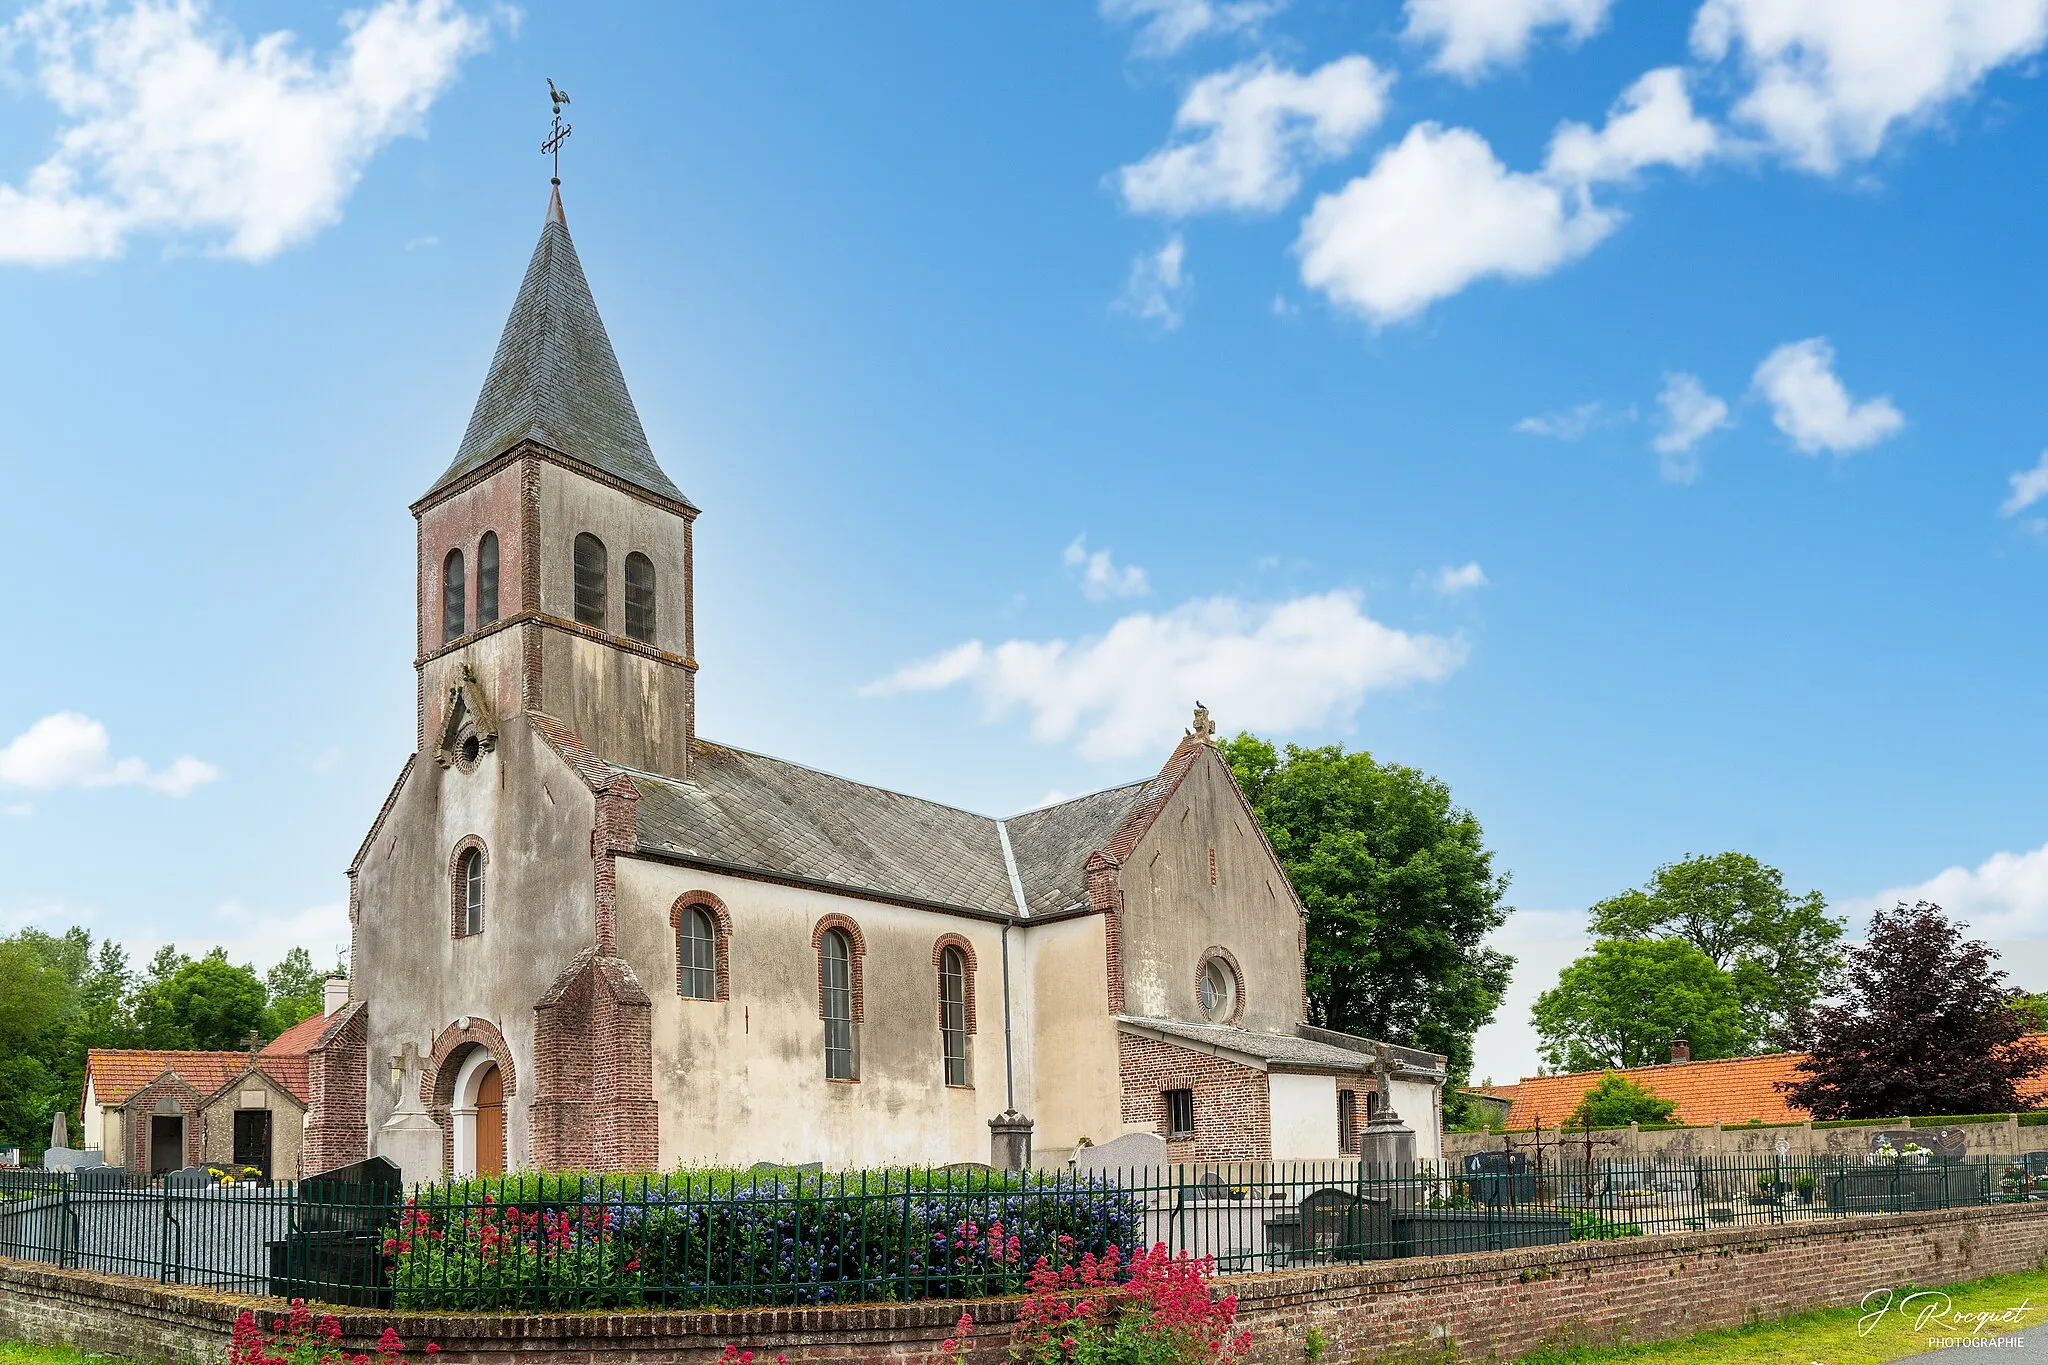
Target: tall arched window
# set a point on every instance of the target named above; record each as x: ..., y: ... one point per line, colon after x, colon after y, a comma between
x: 470, y: 881
x: 639, y: 598
x: 451, y: 597
x: 590, y: 580
x: 697, y: 955
x: 835, y: 975
x: 953, y: 1014
x: 487, y: 580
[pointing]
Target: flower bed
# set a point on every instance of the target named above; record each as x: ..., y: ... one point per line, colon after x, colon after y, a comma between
x: 727, y: 1239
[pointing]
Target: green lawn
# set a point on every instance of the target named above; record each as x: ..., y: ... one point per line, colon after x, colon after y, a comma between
x: 28, y: 1353
x: 1838, y: 1336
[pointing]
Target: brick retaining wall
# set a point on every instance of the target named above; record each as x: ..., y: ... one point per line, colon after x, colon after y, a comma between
x: 1487, y: 1305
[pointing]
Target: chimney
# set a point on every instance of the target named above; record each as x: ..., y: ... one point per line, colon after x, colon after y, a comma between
x: 1681, y: 1051
x: 337, y: 994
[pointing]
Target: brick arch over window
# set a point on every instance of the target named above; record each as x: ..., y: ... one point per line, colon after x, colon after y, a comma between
x: 458, y: 890
x: 721, y: 928
x: 141, y: 1106
x: 946, y: 941
x: 437, y: 1080
x: 855, y: 941
x: 1218, y: 953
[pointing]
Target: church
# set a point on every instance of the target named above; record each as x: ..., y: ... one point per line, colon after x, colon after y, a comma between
x: 586, y: 937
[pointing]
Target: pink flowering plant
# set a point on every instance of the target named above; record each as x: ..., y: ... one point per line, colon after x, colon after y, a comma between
x: 1155, y: 1308
x: 486, y: 1253
x: 302, y: 1340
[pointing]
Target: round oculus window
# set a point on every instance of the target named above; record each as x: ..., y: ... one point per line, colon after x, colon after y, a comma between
x: 470, y: 749
x: 1217, y: 989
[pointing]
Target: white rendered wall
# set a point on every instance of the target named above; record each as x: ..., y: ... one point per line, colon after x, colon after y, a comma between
x: 1304, y: 1110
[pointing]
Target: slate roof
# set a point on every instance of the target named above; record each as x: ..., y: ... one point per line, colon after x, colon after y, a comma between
x: 554, y: 378
x: 1051, y: 844
x: 1285, y: 1051
x: 747, y: 810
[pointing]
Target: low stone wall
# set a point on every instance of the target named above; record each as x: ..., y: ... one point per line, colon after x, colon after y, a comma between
x: 1492, y: 1305
x: 1744, y: 1143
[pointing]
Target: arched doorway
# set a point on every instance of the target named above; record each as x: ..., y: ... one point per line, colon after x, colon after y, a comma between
x: 479, y: 1114
x: 490, y: 1123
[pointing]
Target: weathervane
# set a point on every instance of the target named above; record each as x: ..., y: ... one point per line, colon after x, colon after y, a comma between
x: 553, y: 146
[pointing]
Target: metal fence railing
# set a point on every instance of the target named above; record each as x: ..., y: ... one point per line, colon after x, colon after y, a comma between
x: 771, y: 1237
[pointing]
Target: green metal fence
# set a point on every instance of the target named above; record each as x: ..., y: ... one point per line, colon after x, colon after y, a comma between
x: 777, y: 1237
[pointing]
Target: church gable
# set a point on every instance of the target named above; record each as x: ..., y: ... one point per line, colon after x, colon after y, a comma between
x: 1203, y: 896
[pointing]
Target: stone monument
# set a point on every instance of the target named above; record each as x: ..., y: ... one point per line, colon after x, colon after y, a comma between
x: 410, y: 1139
x: 1387, y: 1148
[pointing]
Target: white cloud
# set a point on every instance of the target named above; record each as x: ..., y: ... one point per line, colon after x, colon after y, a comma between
x: 2005, y: 896
x: 1810, y: 405
x: 1456, y: 581
x: 1167, y: 26
x: 2029, y: 486
x: 1101, y: 577
x: 1279, y: 668
x: 259, y: 937
x: 1243, y: 136
x: 1691, y: 414
x: 1473, y: 35
x: 70, y: 750
x: 172, y: 124
x: 1437, y: 212
x: 1652, y: 124
x: 1156, y: 290
x: 1830, y: 78
x: 1573, y: 423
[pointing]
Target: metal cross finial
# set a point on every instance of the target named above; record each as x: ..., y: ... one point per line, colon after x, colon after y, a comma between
x: 561, y: 131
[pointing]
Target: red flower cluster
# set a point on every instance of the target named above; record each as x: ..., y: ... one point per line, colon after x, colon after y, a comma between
x: 1001, y: 1247
x: 735, y: 1356
x: 302, y: 1341
x: 1158, y: 1304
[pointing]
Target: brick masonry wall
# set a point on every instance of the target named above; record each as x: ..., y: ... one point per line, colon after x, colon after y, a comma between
x: 1493, y: 1305
x: 1233, y: 1119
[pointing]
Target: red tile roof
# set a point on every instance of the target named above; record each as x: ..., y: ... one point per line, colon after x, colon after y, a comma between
x: 117, y: 1073
x: 297, y: 1040
x: 1733, y: 1090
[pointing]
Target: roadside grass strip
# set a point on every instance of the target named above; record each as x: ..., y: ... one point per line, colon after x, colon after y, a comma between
x: 1890, y: 1324
x: 28, y: 1353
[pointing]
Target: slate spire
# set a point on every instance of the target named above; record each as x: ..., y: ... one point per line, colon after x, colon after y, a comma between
x: 555, y: 380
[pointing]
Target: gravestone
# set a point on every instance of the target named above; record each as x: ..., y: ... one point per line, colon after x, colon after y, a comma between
x: 1499, y: 1179
x: 1131, y: 1152
x: 410, y: 1139
x: 1942, y: 1144
x: 70, y: 1159
x: 188, y: 1178
x: 335, y: 1254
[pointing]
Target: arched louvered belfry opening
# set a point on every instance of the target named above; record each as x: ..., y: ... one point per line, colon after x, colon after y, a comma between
x: 590, y: 580
x: 639, y: 598
x: 452, y: 589
x: 487, y: 580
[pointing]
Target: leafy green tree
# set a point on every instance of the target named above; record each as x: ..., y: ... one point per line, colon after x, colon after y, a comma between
x: 36, y: 995
x: 1400, y: 891
x: 205, y: 1005
x: 1781, y: 951
x: 1621, y: 1004
x: 1616, y: 1101
x: 2033, y: 1011
x: 1922, y: 1027
x: 296, y: 991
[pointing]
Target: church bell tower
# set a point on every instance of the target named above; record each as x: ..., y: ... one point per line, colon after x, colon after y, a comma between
x: 554, y: 554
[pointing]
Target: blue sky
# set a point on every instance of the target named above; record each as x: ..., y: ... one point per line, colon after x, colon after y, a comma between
x: 1629, y: 413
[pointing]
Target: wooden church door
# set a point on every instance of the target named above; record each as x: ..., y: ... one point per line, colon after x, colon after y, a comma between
x: 490, y: 1124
